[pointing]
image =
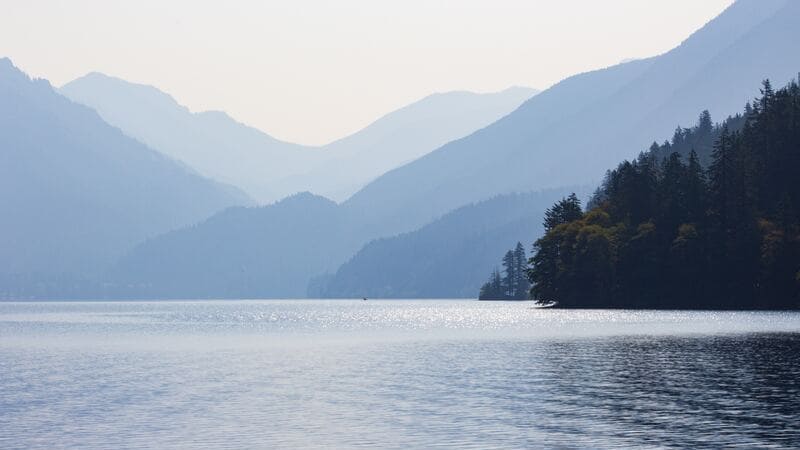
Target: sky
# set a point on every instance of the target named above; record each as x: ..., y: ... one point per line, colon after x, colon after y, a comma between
x: 311, y: 71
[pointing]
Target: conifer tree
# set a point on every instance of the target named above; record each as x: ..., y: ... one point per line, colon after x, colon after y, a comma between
x: 492, y: 289
x: 510, y: 275
x: 663, y: 232
x: 521, y: 284
x: 564, y: 211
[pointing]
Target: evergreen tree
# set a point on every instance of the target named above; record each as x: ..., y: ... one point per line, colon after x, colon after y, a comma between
x: 564, y: 211
x: 720, y: 176
x: 704, y: 123
x: 521, y: 285
x: 695, y: 190
x: 492, y: 289
x: 513, y: 284
x: 662, y: 232
x: 510, y: 275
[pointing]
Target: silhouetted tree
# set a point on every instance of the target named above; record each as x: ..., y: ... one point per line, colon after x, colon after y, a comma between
x: 513, y: 285
x: 521, y: 284
x: 564, y: 211
x: 492, y: 289
x: 663, y: 232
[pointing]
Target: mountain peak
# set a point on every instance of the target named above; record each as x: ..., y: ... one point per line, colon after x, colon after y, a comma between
x: 101, y: 84
x: 8, y: 69
x: 100, y: 76
x: 12, y: 77
x: 118, y: 191
x: 306, y: 197
x: 519, y: 88
x: 96, y: 74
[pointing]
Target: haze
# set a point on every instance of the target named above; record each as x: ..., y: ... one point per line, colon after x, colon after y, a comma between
x: 310, y: 71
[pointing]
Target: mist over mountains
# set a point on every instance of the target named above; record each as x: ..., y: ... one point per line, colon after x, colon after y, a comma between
x: 405, y: 135
x: 266, y: 252
x: 93, y: 193
x: 211, y: 142
x: 447, y: 258
x: 268, y: 169
x: 459, y: 176
x: 76, y: 192
x: 574, y: 131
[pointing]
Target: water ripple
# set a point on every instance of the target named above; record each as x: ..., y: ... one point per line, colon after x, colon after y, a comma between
x: 307, y: 374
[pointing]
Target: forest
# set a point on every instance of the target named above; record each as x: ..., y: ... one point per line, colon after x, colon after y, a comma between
x: 513, y: 283
x: 710, y: 220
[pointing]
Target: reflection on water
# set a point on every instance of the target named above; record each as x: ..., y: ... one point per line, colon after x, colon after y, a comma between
x: 393, y: 374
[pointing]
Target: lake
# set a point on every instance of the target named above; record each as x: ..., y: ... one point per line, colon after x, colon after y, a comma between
x: 393, y: 374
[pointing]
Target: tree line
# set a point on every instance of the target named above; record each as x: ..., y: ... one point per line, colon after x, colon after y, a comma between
x: 513, y: 283
x: 710, y: 219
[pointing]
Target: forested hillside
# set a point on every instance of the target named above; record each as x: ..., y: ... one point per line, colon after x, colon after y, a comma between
x: 663, y: 231
x: 444, y: 259
x: 513, y: 284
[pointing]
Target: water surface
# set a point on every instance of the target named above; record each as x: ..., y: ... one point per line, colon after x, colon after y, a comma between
x: 393, y: 374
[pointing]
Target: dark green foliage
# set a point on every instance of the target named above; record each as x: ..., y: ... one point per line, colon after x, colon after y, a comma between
x: 662, y: 232
x: 513, y: 285
x: 493, y: 289
x: 699, y: 139
x: 566, y: 210
x: 516, y: 282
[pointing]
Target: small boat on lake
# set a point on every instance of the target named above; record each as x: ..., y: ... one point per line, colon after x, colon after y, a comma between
x: 541, y: 305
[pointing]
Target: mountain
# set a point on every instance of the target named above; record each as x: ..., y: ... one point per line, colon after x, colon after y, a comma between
x: 665, y: 232
x: 567, y: 135
x: 257, y: 252
x: 273, y: 252
x: 219, y: 147
x: 571, y: 132
x: 210, y: 142
x: 448, y: 258
x: 403, y: 136
x: 76, y: 192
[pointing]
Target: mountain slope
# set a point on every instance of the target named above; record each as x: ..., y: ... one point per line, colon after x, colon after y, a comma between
x: 210, y: 142
x: 568, y: 134
x: 571, y: 132
x: 221, y: 148
x: 258, y: 252
x: 76, y: 192
x: 448, y: 258
x: 403, y: 136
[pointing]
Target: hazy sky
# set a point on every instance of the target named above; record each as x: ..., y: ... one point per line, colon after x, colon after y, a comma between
x: 310, y: 71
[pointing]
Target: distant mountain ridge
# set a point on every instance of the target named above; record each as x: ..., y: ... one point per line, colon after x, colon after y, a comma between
x: 448, y: 258
x: 567, y: 135
x: 570, y: 133
x: 258, y: 252
x: 210, y: 142
x: 76, y: 192
x: 219, y: 147
x: 405, y: 135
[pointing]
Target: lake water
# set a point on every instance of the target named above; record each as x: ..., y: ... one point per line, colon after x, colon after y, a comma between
x: 393, y: 374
